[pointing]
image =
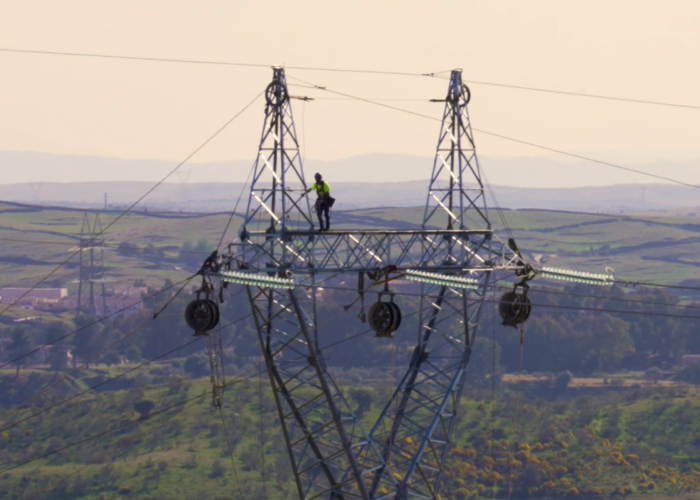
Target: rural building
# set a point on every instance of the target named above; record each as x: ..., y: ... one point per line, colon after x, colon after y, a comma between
x: 35, y: 296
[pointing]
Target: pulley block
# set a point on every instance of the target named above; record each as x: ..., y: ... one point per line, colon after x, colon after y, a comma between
x: 276, y: 94
x: 202, y: 315
x: 384, y: 318
x: 514, y: 308
x: 217, y: 314
x: 466, y: 94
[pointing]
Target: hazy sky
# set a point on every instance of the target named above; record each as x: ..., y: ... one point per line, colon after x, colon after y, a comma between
x: 127, y: 109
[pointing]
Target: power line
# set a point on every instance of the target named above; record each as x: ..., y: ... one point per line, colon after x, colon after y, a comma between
x: 230, y: 453
x: 131, y: 332
x: 512, y: 139
x: 262, y: 437
x: 150, y: 430
x: 233, y: 212
x: 363, y: 333
x: 92, y: 388
x: 147, y: 431
x: 102, y: 352
x: 111, y: 379
x: 343, y: 70
x: 215, y: 63
x: 592, y: 309
x: 614, y: 311
x: 132, y: 58
x: 104, y: 433
x: 121, y: 426
x: 630, y: 283
x: 578, y: 94
x: 614, y: 299
x: 374, y: 99
x: 117, y: 246
x: 587, y: 158
x: 368, y: 331
x: 54, y: 341
x: 122, y: 214
x: 595, y: 297
x: 140, y: 435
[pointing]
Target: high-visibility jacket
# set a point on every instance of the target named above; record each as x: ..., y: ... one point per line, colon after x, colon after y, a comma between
x: 322, y: 188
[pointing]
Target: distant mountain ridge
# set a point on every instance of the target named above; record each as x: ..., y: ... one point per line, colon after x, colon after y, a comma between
x: 524, y: 172
x: 218, y: 197
x: 367, y: 181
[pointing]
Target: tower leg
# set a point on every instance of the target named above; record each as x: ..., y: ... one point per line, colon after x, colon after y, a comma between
x: 215, y: 353
x: 318, y: 425
x: 414, y: 428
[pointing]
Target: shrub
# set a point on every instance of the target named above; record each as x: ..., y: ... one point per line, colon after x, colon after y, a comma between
x: 144, y: 407
x: 176, y: 383
x: 191, y: 462
x: 196, y: 366
x: 217, y: 469
x: 653, y: 374
x: 562, y: 380
x: 363, y: 399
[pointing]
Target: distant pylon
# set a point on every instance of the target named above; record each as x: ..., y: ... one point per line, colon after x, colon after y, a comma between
x: 92, y: 269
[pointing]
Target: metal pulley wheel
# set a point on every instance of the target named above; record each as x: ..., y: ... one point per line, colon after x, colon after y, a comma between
x: 202, y: 315
x: 276, y: 94
x: 217, y: 314
x: 514, y: 308
x: 397, y: 316
x: 466, y: 94
x: 384, y: 318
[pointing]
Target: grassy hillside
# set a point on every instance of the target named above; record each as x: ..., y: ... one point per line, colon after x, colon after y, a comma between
x: 639, y: 442
x: 33, y: 239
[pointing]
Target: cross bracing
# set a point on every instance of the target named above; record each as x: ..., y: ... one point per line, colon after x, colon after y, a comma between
x: 454, y: 254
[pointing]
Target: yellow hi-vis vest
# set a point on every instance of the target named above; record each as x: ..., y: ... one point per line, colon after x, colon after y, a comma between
x: 322, y: 188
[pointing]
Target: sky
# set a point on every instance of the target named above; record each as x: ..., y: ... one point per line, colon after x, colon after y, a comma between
x: 163, y: 111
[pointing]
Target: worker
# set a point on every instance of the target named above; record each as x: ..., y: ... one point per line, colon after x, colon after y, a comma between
x: 324, y: 202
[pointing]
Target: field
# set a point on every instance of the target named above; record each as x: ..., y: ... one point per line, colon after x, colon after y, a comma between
x: 592, y: 382
x: 33, y: 240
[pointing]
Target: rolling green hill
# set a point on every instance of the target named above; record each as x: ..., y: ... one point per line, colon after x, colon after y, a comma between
x: 642, y: 442
x: 33, y: 239
x: 157, y: 437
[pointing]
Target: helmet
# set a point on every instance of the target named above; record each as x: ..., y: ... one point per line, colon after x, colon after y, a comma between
x: 317, y: 176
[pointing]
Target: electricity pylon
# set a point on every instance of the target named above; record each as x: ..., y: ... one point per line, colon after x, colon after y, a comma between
x: 454, y: 254
x: 414, y: 428
x: 92, y: 269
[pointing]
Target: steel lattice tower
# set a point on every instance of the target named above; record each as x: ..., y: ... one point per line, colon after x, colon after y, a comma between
x: 275, y: 201
x: 454, y: 254
x: 414, y: 428
x: 91, y: 269
x: 318, y: 424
